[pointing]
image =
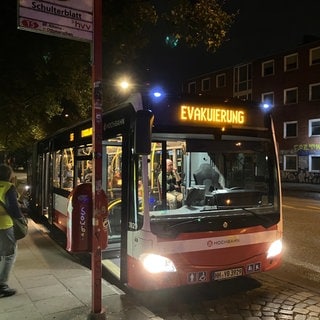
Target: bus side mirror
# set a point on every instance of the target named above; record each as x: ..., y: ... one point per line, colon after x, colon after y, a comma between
x: 143, y: 130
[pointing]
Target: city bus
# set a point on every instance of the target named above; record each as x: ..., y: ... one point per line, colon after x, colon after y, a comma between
x: 218, y: 218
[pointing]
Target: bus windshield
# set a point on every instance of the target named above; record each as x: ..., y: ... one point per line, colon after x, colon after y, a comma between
x: 206, y: 184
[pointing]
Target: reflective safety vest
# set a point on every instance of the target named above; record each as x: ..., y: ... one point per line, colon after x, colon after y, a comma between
x: 5, y: 219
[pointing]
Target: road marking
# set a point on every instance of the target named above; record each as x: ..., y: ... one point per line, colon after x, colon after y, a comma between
x: 286, y: 206
x: 307, y: 208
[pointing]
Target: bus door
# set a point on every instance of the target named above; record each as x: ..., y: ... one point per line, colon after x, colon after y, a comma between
x: 112, y: 170
x: 62, y: 183
x: 46, y: 201
x: 173, y: 151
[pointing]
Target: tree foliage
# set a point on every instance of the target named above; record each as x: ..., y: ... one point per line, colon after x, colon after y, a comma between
x: 199, y: 23
x: 44, y: 78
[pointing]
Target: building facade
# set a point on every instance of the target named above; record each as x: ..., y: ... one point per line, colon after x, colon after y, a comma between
x: 290, y: 82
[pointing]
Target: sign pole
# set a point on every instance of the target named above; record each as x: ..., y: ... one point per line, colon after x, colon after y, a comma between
x: 97, y: 311
x: 70, y: 28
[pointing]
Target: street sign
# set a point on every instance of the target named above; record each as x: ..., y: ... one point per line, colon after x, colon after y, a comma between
x: 72, y: 19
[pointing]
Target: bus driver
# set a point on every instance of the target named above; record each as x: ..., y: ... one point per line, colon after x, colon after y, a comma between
x: 174, y: 195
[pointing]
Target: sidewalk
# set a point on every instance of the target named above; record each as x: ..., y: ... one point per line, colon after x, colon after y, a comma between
x: 51, y: 284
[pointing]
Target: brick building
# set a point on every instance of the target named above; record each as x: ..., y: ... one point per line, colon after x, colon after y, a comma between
x: 290, y: 81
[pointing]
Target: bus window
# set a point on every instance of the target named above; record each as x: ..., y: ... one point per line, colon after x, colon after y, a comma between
x: 84, y: 165
x: 138, y: 189
x: 226, y: 167
x: 67, y: 172
x: 63, y: 169
x: 87, y: 173
x: 157, y: 199
x: 57, y: 169
x: 168, y: 188
x: 67, y: 176
x: 172, y: 182
x: 114, y: 171
x: 142, y: 193
x: 83, y: 171
x: 114, y: 187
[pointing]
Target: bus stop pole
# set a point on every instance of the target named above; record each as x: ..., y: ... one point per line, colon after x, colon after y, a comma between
x: 97, y: 311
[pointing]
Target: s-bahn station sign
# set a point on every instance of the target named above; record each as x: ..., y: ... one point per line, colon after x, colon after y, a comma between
x: 72, y: 19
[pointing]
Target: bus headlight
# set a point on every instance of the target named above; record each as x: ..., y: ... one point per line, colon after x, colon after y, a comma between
x: 274, y: 249
x: 155, y: 263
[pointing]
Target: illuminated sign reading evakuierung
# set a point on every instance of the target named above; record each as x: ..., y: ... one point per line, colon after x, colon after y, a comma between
x: 207, y: 114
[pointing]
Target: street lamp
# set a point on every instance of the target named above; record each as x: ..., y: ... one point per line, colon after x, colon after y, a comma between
x: 124, y: 85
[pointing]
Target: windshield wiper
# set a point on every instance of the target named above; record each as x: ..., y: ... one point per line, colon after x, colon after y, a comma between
x: 198, y: 219
x: 266, y: 222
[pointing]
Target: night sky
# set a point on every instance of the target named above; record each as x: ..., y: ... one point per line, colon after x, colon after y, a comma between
x: 262, y: 28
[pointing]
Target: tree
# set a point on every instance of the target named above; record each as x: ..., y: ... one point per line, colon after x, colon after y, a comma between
x: 207, y: 23
x: 44, y: 78
x: 41, y: 77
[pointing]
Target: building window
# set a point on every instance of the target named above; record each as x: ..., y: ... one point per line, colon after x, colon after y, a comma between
x: 206, y: 84
x: 290, y: 129
x: 314, y: 127
x: 314, y: 163
x: 242, y: 80
x: 244, y: 97
x: 221, y: 80
x: 291, y: 96
x: 191, y: 87
x: 268, y: 98
x: 291, y: 62
x: 314, y: 56
x: 290, y: 163
x: 268, y: 68
x: 314, y: 91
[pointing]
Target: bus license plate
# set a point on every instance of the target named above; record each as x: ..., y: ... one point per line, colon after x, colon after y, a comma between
x: 227, y: 274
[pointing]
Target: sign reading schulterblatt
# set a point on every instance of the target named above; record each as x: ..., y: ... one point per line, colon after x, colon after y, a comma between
x: 72, y: 19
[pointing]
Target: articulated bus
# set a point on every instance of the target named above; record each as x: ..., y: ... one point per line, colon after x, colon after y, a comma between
x: 219, y: 218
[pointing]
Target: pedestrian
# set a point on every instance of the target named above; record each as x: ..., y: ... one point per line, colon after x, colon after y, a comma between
x: 8, y: 246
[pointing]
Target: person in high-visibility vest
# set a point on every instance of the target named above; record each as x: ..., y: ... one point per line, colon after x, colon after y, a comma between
x: 8, y: 245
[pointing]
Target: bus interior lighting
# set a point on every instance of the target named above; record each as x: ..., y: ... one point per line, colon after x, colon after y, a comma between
x: 86, y: 132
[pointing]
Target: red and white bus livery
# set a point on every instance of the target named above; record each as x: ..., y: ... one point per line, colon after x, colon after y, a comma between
x: 193, y: 189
